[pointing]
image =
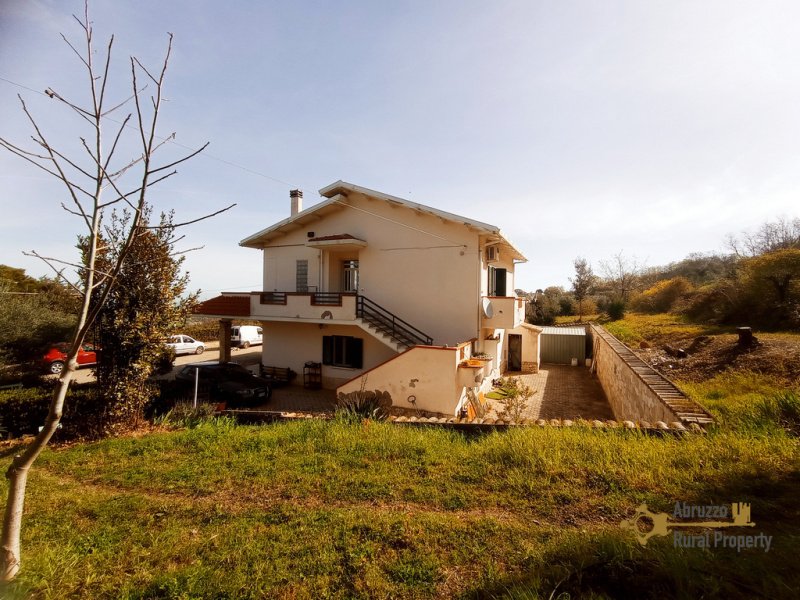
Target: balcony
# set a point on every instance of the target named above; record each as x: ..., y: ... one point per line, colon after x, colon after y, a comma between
x: 503, y: 312
x: 312, y: 306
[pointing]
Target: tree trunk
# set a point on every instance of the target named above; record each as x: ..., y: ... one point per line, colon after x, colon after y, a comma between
x: 17, y: 475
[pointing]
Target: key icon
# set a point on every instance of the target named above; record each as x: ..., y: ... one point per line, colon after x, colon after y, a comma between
x: 663, y: 523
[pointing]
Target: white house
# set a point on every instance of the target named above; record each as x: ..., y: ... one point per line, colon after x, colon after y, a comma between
x: 391, y: 295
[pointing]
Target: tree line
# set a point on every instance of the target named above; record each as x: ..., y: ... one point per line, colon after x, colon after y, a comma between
x: 756, y: 283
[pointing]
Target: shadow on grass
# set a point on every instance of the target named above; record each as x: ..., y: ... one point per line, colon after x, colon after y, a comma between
x: 612, y: 564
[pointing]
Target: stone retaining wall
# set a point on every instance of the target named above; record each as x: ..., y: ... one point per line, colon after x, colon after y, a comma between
x: 475, y: 425
x: 636, y: 391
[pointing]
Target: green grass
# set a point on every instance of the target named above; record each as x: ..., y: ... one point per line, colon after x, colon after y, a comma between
x: 328, y: 509
x: 635, y: 327
x: 331, y: 509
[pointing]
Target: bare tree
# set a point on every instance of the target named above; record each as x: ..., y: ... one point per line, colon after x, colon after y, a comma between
x: 622, y: 275
x: 780, y: 234
x: 583, y: 283
x: 92, y: 191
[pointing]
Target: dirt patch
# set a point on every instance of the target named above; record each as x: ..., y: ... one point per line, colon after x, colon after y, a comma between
x: 705, y: 356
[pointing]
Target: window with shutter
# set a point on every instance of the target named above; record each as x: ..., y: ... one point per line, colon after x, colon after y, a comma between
x: 343, y: 351
x: 497, y: 282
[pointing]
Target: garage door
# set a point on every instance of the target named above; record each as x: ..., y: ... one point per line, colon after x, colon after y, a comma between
x: 559, y: 345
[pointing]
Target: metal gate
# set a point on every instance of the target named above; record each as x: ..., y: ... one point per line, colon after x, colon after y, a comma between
x: 559, y: 345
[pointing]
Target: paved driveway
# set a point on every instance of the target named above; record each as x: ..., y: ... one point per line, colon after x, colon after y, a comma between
x: 561, y: 392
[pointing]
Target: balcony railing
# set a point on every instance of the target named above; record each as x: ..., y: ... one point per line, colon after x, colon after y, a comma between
x: 339, y: 306
x: 317, y: 298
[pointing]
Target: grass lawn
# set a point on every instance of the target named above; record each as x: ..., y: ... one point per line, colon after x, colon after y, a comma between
x: 316, y: 509
x: 329, y: 509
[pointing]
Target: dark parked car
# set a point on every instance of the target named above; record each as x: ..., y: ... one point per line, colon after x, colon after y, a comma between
x: 56, y: 357
x: 227, y: 382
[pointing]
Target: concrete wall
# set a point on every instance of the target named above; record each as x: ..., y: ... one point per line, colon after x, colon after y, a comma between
x: 630, y: 396
x: 291, y: 344
x: 428, y: 373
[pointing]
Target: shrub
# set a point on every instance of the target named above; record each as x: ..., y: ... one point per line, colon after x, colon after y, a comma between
x: 190, y: 417
x: 616, y: 310
x: 663, y: 296
x: 24, y: 411
x: 364, y: 404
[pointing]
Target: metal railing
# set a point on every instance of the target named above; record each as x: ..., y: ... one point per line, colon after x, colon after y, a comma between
x: 389, y: 323
x: 273, y: 297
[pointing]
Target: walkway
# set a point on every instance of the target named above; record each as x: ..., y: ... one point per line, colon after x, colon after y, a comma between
x: 561, y: 392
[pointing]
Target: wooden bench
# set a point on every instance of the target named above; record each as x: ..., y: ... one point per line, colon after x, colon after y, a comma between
x: 277, y: 375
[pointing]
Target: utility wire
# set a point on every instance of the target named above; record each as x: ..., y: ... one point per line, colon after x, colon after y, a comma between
x: 264, y: 175
x: 172, y: 141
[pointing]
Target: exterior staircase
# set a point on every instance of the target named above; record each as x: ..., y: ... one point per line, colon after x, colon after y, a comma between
x: 387, y: 327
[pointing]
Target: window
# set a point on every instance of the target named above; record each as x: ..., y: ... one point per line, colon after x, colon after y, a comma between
x: 342, y: 351
x: 497, y: 282
x: 350, y: 273
x: 301, y: 278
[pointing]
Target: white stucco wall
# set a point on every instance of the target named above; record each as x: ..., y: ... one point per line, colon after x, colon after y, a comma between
x: 293, y: 344
x: 431, y: 281
x: 429, y: 374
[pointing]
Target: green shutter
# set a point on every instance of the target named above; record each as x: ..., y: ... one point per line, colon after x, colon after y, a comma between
x: 355, y: 353
x: 327, y: 350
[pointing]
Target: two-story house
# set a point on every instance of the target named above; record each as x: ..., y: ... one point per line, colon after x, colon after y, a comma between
x: 390, y: 294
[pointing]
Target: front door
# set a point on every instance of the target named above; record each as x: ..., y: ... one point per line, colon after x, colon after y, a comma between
x: 514, y: 352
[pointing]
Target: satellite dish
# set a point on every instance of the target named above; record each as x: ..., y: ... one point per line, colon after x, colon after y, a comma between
x: 488, y: 309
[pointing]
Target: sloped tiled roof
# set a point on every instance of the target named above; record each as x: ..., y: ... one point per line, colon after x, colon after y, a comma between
x: 226, y: 305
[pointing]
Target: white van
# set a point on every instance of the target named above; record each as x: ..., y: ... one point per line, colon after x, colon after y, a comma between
x: 244, y: 336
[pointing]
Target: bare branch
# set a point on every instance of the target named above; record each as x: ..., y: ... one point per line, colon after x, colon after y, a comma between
x: 68, y: 43
x: 105, y: 76
x: 185, y: 158
x: 83, y: 113
x: 143, y: 68
x: 203, y: 218
x: 181, y: 252
x: 59, y: 272
x: 68, y: 161
x: 136, y: 191
x: 116, y: 140
x: 26, y: 156
x: 121, y: 104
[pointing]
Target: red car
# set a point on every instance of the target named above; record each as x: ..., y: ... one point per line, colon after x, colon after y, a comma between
x: 56, y: 357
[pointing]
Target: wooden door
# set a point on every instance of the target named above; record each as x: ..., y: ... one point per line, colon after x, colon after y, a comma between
x: 514, y: 352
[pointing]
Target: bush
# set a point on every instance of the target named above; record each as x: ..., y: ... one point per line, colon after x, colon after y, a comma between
x: 24, y: 411
x: 204, y: 330
x: 188, y: 416
x: 663, y: 296
x: 364, y: 404
x: 616, y: 310
x: 163, y: 362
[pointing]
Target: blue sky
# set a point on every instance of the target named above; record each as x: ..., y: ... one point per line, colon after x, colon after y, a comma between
x: 580, y: 128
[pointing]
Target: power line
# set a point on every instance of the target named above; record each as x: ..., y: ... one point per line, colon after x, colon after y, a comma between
x: 176, y: 143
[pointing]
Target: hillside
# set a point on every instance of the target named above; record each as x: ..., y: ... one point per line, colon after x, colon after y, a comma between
x: 710, y: 350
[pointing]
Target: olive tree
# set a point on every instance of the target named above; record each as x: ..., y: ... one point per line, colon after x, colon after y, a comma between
x: 95, y: 182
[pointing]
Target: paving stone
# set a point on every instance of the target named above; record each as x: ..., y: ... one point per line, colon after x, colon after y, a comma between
x: 561, y: 392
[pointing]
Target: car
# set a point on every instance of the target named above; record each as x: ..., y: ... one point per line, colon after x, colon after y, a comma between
x: 56, y: 357
x: 227, y: 382
x: 183, y: 344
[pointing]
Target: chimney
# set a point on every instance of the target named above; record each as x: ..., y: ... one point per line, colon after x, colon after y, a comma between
x: 296, y: 197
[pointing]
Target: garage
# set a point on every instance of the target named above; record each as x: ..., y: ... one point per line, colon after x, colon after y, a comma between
x: 559, y: 345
